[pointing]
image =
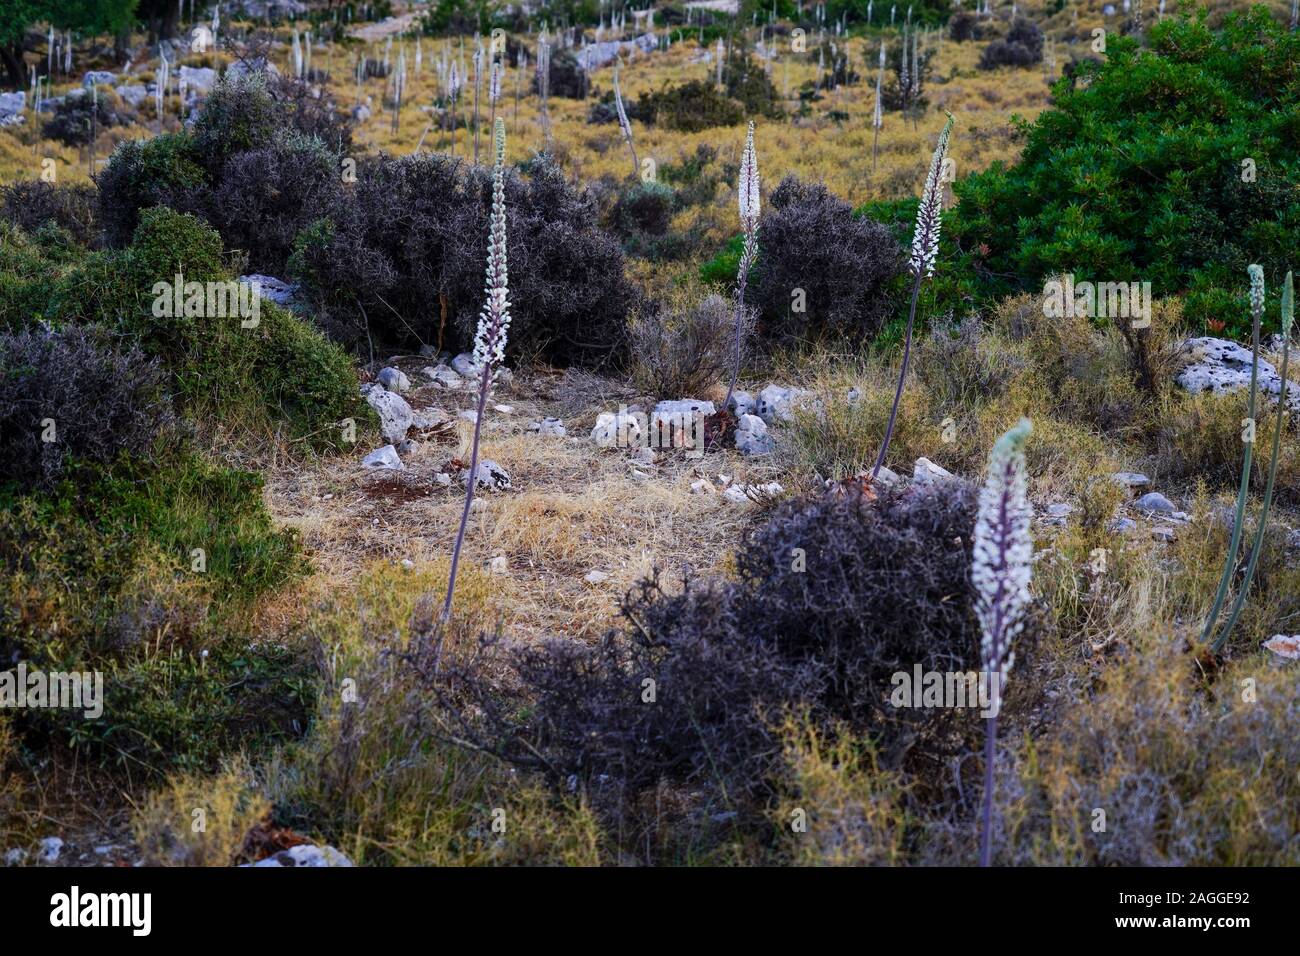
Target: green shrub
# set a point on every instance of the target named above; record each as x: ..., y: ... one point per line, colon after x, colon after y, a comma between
x: 164, y: 170
x: 1138, y: 175
x: 690, y: 107
x: 101, y: 574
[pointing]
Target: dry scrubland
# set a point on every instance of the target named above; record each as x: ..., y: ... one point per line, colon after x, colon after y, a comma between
x: 1115, y: 701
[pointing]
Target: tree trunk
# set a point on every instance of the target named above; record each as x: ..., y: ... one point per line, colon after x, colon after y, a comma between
x: 11, y: 55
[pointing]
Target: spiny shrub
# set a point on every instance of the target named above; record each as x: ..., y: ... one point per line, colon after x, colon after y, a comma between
x: 646, y: 207
x: 74, y: 395
x: 831, y: 598
x: 567, y: 78
x: 747, y: 82
x: 161, y: 171
x: 255, y: 165
x: 844, y: 265
x: 682, y: 348
x: 423, y: 283
x: 1180, y: 206
x: 689, y: 107
x: 1022, y: 47
x: 281, y: 370
x: 71, y: 124
x: 268, y: 194
x: 31, y: 203
x: 963, y: 26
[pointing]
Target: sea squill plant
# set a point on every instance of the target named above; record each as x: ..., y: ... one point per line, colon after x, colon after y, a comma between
x: 1256, y: 273
x: 925, y: 248
x: 1001, y: 569
x: 624, y: 125
x: 490, y: 339
x: 1288, y: 318
x: 749, y: 211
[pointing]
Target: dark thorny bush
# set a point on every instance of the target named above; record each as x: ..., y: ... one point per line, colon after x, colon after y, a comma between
x: 162, y: 171
x: 682, y: 350
x: 963, y: 26
x: 260, y: 164
x: 1022, y: 47
x: 74, y: 395
x: 422, y: 281
x: 831, y: 598
x: 268, y: 194
x: 567, y: 78
x: 689, y: 107
x: 1201, y: 184
x: 809, y: 239
x: 71, y: 124
x: 31, y: 203
x: 645, y: 207
x: 747, y: 82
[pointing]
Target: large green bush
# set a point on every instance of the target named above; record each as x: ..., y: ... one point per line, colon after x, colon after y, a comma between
x: 1175, y: 164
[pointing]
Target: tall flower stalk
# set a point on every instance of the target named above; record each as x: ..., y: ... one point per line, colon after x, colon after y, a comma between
x: 925, y: 249
x: 624, y: 125
x: 749, y: 212
x: 1257, y: 546
x: 490, y: 340
x: 1230, y: 562
x: 1001, y: 568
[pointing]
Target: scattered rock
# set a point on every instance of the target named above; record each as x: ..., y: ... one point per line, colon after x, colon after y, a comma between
x: 99, y: 78
x: 305, y: 855
x: 741, y: 403
x: 469, y: 415
x: 408, y: 564
x: 275, y: 290
x: 499, y: 564
x: 776, y: 403
x: 645, y: 456
x: 1219, y: 366
x: 11, y: 108
x: 679, y: 424
x: 51, y: 847
x: 1163, y: 533
x: 1154, y: 502
x: 749, y: 494
x: 701, y: 486
x: 616, y: 429
x: 925, y: 471
x: 1123, y: 525
x: 199, y: 78
x: 752, y: 437
x: 444, y: 375
x: 385, y: 457
x: 393, y: 379
x: 504, y: 409
x: 463, y: 365
x: 491, y: 475
x: 442, y: 478
x: 596, y: 577
x: 1287, y: 648
x: 15, y: 856
x: 1131, y: 479
x: 548, y: 426
x: 133, y: 94
x: 395, y: 415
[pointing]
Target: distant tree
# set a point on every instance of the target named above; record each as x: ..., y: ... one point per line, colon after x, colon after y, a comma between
x: 18, y: 18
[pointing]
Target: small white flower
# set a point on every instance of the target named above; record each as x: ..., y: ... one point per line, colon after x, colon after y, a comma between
x: 929, y: 214
x: 1003, y: 553
x: 749, y: 201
